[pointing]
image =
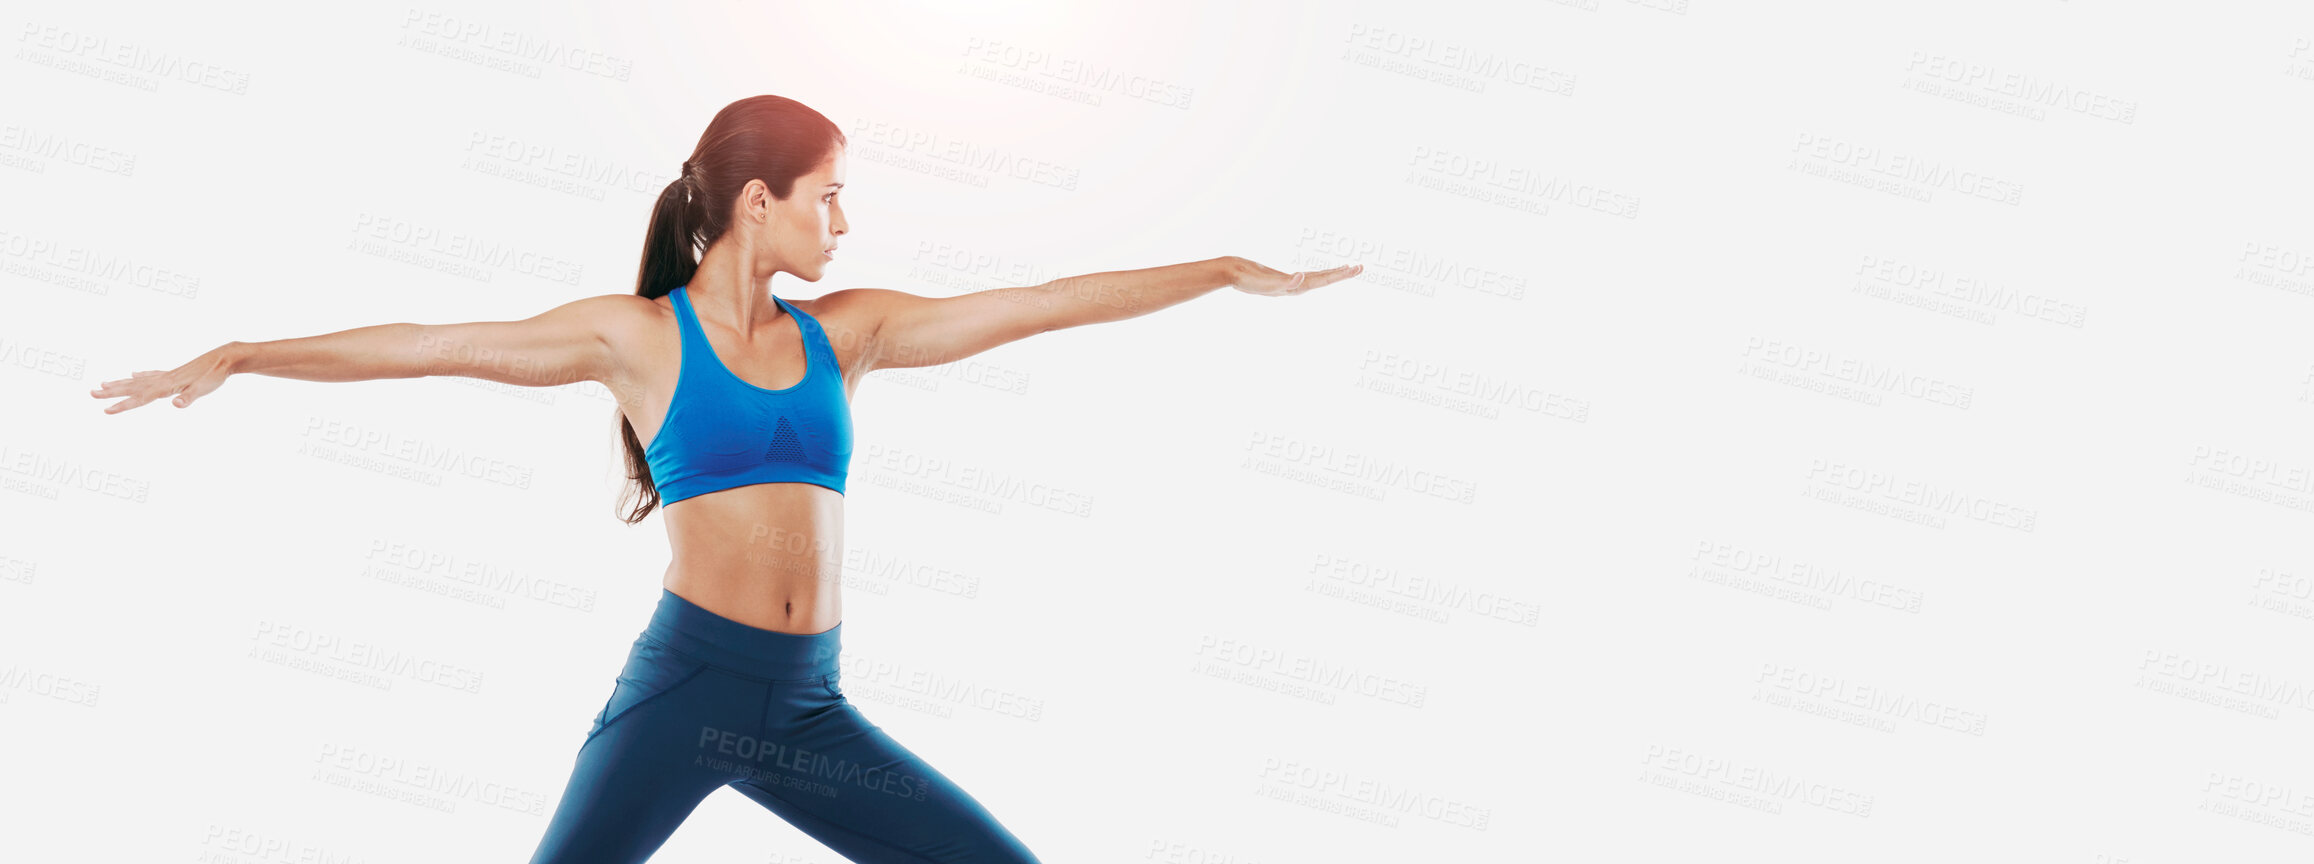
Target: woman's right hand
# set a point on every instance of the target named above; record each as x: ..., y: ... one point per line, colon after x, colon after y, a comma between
x: 195, y: 379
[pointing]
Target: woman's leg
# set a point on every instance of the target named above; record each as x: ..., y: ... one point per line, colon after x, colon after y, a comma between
x: 820, y: 765
x: 798, y: 748
x: 636, y: 776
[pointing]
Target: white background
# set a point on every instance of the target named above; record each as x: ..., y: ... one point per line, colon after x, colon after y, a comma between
x: 1809, y: 431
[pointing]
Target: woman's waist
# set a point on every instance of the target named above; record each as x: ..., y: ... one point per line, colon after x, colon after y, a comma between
x: 692, y: 628
x: 766, y: 590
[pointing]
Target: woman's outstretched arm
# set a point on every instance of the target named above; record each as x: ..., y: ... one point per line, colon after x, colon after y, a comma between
x: 928, y: 331
x: 561, y: 345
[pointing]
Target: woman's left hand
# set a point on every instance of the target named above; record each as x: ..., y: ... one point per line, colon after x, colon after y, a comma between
x: 1254, y: 278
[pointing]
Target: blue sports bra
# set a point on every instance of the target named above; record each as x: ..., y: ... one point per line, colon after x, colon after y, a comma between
x: 722, y: 432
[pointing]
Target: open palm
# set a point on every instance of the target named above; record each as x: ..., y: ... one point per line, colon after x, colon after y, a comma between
x: 1274, y: 283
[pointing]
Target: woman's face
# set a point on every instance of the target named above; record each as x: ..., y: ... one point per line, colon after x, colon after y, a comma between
x: 805, y: 227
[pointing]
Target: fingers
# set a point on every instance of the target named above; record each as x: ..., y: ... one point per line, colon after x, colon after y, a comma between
x: 149, y: 391
x: 128, y: 386
x: 126, y: 404
x: 1322, y: 278
x: 1298, y: 283
x: 108, y: 385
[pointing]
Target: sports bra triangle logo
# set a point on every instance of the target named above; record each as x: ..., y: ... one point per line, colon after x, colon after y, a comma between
x: 784, y: 446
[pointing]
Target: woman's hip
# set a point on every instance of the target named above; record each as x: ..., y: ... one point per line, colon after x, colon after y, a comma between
x: 742, y: 649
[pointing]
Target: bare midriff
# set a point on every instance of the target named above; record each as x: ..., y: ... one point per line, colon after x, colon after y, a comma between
x: 768, y: 555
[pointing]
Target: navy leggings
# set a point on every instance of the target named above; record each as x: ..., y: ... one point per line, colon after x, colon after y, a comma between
x: 706, y: 702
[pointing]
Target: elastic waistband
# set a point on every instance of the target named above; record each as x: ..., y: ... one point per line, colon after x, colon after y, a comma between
x: 687, y: 627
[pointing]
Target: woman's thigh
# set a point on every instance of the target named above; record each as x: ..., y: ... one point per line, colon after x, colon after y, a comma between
x: 821, y: 766
x: 639, y: 773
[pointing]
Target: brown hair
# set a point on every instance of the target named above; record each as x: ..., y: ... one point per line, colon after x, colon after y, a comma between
x: 768, y: 138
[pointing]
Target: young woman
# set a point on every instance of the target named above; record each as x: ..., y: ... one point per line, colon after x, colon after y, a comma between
x: 735, y: 411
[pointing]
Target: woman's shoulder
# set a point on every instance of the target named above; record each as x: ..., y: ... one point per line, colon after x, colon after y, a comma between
x: 626, y: 319
x: 848, y: 310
